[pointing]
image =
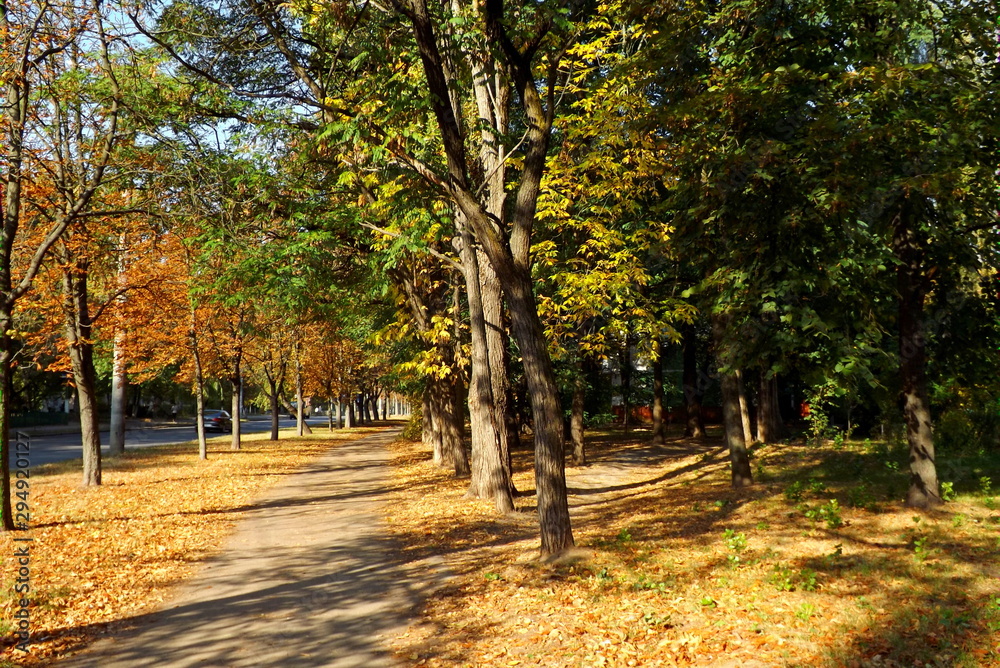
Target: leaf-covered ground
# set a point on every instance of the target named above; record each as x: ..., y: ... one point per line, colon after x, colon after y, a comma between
x: 817, y: 565
x: 108, y: 553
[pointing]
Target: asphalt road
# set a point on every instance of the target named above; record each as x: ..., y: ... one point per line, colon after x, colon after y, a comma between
x: 46, y: 448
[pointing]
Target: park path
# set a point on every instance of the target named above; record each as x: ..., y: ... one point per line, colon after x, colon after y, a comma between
x: 309, y: 578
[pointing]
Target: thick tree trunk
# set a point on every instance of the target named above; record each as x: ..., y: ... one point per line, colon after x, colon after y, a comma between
x: 924, y: 490
x: 6, y: 371
x: 237, y: 382
x: 340, y: 414
x: 350, y: 423
x: 453, y: 425
x: 659, y: 428
x: 550, y: 471
x: 119, y: 382
x: 490, y: 479
x: 739, y: 457
x: 744, y: 408
x: 81, y: 356
x: 498, y: 350
x: 694, y: 427
x: 329, y: 415
x: 769, y: 425
x: 576, y: 417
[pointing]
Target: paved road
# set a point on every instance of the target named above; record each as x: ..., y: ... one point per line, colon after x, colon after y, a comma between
x: 46, y: 448
x: 308, y: 579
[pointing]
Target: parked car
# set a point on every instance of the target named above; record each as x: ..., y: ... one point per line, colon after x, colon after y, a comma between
x: 218, y: 421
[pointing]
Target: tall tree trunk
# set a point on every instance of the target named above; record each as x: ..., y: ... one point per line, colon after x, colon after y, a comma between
x: 550, y: 471
x: 626, y: 369
x: 300, y: 416
x: 769, y: 425
x: 576, y: 416
x: 498, y: 351
x: 119, y: 382
x: 350, y: 412
x: 329, y: 415
x: 6, y: 371
x: 430, y: 421
x: 81, y: 355
x: 739, y: 457
x: 694, y: 427
x: 237, y: 382
x: 659, y: 428
x: 272, y: 396
x: 340, y: 414
x: 924, y: 490
x: 490, y: 479
x: 744, y: 408
x: 199, y: 400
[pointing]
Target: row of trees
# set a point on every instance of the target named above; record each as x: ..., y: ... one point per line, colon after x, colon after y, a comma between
x: 508, y: 195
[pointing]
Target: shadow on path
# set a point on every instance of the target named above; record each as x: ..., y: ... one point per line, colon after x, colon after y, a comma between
x: 309, y: 578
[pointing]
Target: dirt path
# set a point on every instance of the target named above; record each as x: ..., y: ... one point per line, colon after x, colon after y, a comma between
x: 309, y: 578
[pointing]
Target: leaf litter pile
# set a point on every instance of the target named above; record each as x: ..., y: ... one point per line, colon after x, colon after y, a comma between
x: 104, y: 554
x: 818, y: 564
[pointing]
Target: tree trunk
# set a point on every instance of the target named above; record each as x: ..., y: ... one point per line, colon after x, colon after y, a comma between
x: 498, y: 351
x: 275, y: 408
x: 300, y: 416
x: 430, y: 421
x: 6, y: 371
x: 576, y: 417
x: 694, y: 427
x: 490, y: 479
x: 81, y: 356
x: 350, y: 413
x: 744, y: 408
x: 659, y: 428
x: 340, y: 414
x: 550, y: 472
x: 329, y: 415
x: 626, y: 372
x: 453, y: 425
x: 119, y: 382
x: 739, y: 458
x: 199, y: 402
x: 769, y: 425
x: 924, y: 491
x: 237, y: 382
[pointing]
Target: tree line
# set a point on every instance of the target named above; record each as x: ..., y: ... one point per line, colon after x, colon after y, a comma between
x: 493, y: 200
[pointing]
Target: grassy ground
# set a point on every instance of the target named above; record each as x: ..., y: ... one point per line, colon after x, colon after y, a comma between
x: 105, y: 554
x: 816, y: 565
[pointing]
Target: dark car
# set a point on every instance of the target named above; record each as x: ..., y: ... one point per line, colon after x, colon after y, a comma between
x: 218, y: 421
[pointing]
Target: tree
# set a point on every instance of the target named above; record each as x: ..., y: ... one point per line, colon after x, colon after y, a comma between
x: 41, y: 43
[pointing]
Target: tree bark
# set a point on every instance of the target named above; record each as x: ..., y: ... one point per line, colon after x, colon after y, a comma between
x: 490, y: 478
x: 199, y: 402
x: 769, y: 425
x: 81, y: 356
x: 237, y: 382
x: 739, y: 457
x: 626, y: 373
x: 924, y: 491
x: 119, y: 383
x: 659, y: 428
x: 275, y: 408
x: 744, y: 408
x: 694, y: 427
x: 350, y: 413
x: 6, y: 371
x: 576, y: 417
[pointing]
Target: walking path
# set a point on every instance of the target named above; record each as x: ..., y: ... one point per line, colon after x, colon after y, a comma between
x: 308, y: 579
